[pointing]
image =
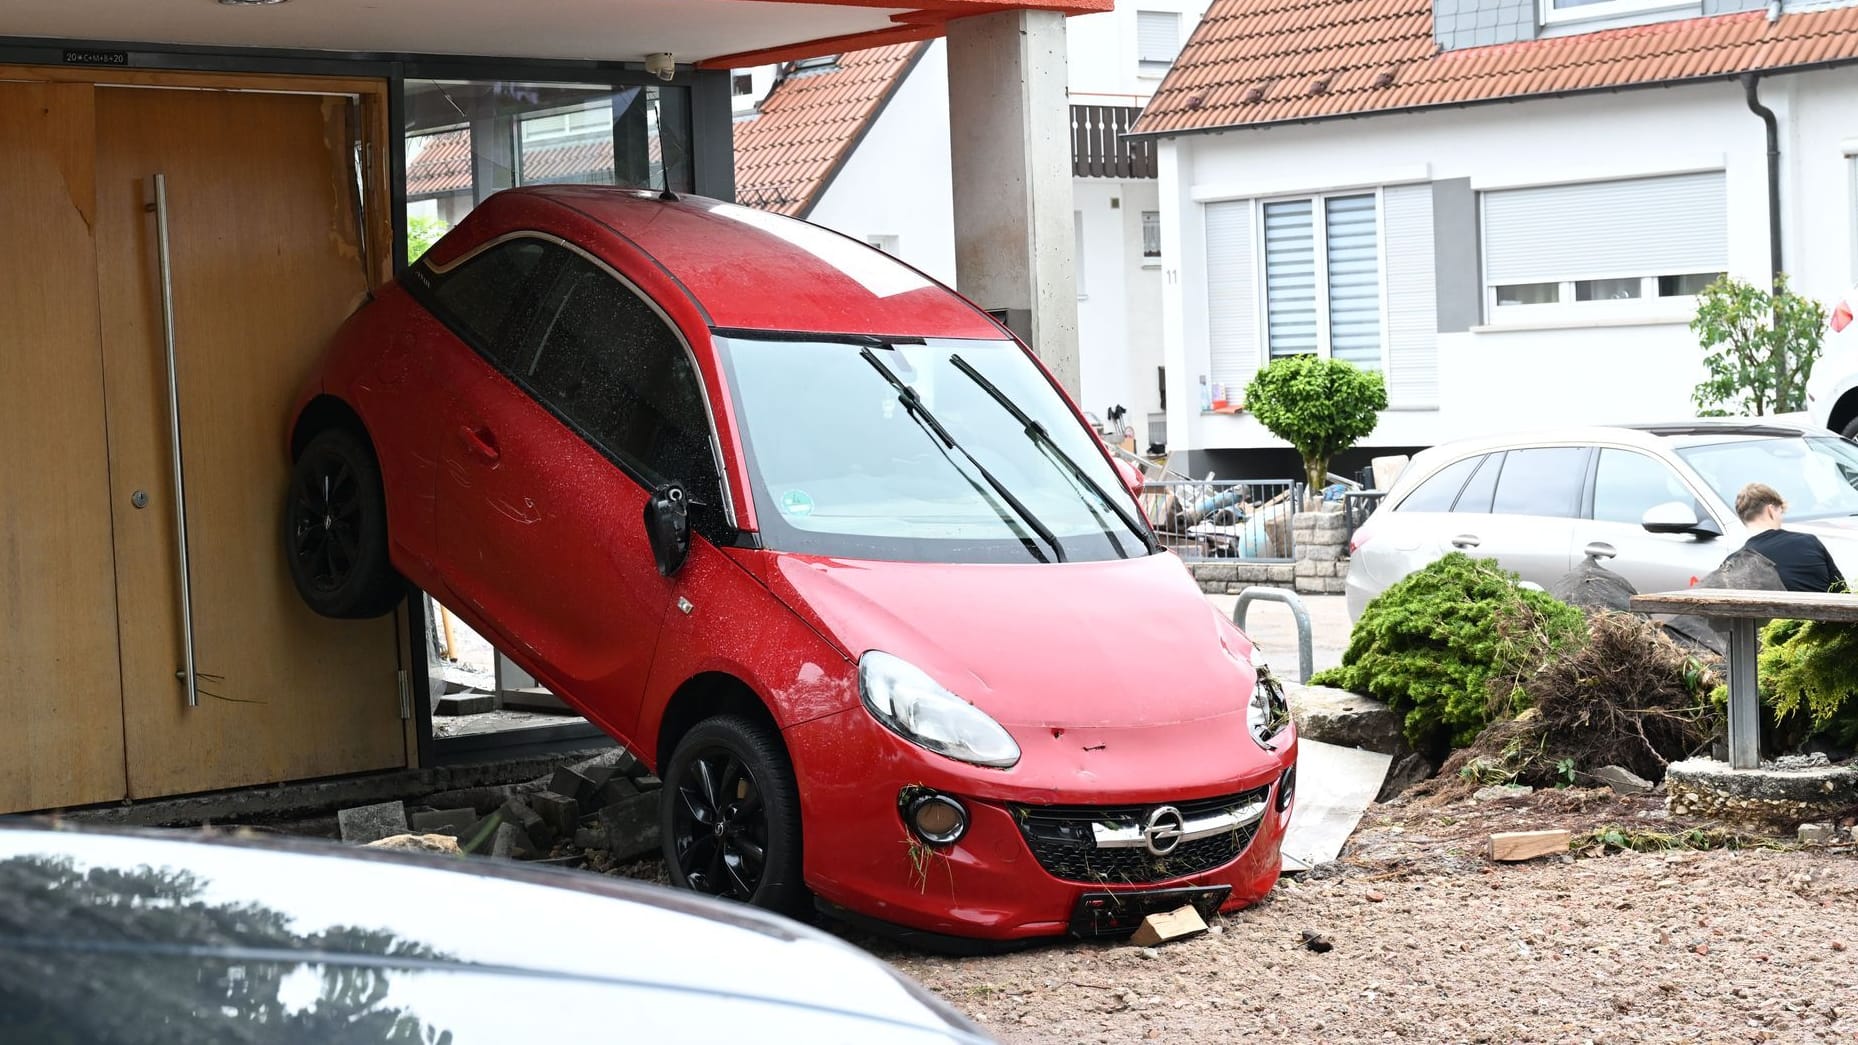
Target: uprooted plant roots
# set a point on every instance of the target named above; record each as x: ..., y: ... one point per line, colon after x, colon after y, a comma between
x: 1627, y: 696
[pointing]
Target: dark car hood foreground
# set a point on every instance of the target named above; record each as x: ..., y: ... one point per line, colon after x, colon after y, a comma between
x: 159, y: 937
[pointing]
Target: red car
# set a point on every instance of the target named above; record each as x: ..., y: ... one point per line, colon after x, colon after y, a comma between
x: 816, y: 538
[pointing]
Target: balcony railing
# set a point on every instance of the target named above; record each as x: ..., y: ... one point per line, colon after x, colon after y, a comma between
x: 1099, y: 148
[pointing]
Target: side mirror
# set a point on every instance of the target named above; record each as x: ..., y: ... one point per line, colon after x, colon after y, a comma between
x: 1132, y: 479
x: 667, y: 527
x: 1678, y: 517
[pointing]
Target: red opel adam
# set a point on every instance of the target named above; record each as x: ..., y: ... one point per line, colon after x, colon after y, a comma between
x: 819, y: 541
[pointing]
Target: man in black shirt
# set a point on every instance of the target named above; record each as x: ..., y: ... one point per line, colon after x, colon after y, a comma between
x: 1803, y: 562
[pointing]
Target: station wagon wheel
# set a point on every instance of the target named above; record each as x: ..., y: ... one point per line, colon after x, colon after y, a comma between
x: 335, y: 529
x: 731, y: 819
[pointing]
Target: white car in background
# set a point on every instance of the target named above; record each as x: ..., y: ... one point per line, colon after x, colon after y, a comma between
x: 1832, y: 390
x: 1660, y: 497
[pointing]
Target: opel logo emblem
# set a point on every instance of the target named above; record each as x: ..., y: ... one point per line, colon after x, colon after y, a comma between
x: 1163, y: 830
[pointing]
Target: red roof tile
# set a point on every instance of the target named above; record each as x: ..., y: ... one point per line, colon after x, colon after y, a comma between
x: 808, y: 125
x: 438, y: 164
x: 1288, y: 47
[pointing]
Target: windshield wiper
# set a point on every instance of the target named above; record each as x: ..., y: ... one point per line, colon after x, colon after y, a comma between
x: 1043, y: 438
x: 919, y: 410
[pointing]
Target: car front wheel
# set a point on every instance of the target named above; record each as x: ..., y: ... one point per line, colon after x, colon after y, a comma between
x: 731, y: 815
x: 335, y: 529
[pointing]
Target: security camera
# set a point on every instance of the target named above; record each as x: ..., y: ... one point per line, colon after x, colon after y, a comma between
x: 661, y: 65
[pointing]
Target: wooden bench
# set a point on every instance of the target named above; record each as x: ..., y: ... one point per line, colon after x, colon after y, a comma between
x: 1745, y: 611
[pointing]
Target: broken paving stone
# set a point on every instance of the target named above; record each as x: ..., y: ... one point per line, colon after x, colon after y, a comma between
x: 647, y: 782
x: 568, y: 783
x: 455, y: 704
x: 534, y: 828
x: 452, y: 822
x: 631, y: 827
x: 616, y: 789
x: 561, y: 813
x: 1500, y: 791
x: 419, y: 844
x: 364, y: 824
x: 509, y: 842
x: 1818, y: 834
x: 1622, y: 780
x: 590, y: 838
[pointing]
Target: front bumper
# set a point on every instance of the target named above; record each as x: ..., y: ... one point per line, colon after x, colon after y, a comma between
x: 860, y: 856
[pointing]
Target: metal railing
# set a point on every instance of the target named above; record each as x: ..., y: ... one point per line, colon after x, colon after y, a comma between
x: 1242, y: 519
x: 1357, y: 505
x: 1099, y: 148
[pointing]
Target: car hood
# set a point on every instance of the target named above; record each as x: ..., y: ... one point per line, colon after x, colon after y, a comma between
x: 103, y: 934
x: 1124, y: 643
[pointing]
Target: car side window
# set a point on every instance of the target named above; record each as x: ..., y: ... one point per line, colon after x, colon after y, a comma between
x: 1542, y: 480
x: 1437, y: 493
x: 601, y: 357
x: 488, y: 296
x: 1482, y: 489
x: 1628, y: 483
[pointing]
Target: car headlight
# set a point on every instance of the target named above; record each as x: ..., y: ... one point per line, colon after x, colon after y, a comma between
x: 1268, y: 711
x: 918, y: 709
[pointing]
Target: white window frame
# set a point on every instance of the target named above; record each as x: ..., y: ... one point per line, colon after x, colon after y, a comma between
x: 1607, y: 9
x: 1154, y: 68
x: 1150, y: 260
x: 1319, y: 214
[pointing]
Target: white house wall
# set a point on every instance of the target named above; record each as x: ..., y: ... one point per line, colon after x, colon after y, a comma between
x: 1104, y: 62
x: 897, y: 181
x: 1491, y: 380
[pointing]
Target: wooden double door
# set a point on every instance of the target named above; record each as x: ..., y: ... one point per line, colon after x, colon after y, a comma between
x: 270, y: 247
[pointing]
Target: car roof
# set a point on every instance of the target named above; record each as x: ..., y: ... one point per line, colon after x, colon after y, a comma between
x: 308, y: 901
x: 751, y: 270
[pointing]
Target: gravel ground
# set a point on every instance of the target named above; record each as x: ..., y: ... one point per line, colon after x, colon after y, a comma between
x: 1433, y: 943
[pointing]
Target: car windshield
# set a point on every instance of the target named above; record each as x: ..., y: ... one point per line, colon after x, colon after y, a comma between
x: 1817, y: 475
x: 841, y: 466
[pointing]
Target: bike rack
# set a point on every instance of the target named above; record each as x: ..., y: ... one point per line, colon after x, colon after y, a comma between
x: 1306, y: 654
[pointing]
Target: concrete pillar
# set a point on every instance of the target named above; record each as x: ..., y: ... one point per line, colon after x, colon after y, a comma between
x: 1010, y: 153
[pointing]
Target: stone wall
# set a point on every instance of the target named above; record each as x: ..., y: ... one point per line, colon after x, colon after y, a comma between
x: 1321, y: 540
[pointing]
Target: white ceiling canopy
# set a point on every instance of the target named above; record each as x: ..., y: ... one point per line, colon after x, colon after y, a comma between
x: 609, y: 30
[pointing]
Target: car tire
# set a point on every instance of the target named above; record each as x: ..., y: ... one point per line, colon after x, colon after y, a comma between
x: 335, y: 529
x: 733, y: 772
x: 1851, y: 429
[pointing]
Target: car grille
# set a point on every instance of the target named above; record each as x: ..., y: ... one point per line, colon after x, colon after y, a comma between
x: 1061, y: 839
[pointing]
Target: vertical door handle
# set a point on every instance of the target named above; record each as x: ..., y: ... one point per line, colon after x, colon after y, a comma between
x: 190, y: 677
x: 481, y: 441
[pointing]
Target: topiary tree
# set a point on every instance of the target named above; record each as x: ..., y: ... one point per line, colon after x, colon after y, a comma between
x: 1437, y: 644
x: 1320, y: 406
x: 1759, y: 347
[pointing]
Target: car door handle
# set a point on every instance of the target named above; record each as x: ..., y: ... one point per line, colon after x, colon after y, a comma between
x: 1466, y: 540
x: 481, y: 441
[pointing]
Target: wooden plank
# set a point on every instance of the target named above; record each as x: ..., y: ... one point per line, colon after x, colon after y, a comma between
x: 1515, y: 846
x: 60, y: 681
x: 266, y: 265
x: 1760, y: 605
x: 193, y: 80
x: 1160, y: 928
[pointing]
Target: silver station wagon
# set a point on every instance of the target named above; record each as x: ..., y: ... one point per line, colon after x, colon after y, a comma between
x: 1658, y: 497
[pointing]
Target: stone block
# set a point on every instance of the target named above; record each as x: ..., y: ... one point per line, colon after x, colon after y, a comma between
x: 618, y: 789
x: 1622, y: 780
x: 509, y: 843
x: 364, y: 824
x: 569, y: 784
x: 1304, y: 568
x: 526, y: 819
x: 420, y: 843
x: 1769, y: 796
x: 647, y: 782
x: 1818, y: 834
x: 1215, y: 571
x: 590, y: 838
x: 1319, y: 552
x: 631, y: 827
x: 452, y: 822
x: 454, y: 704
x: 561, y: 813
x: 1404, y: 773
x: 1334, y: 716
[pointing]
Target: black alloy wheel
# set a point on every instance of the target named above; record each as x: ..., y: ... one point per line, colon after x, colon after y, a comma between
x: 335, y: 529
x: 731, y: 815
